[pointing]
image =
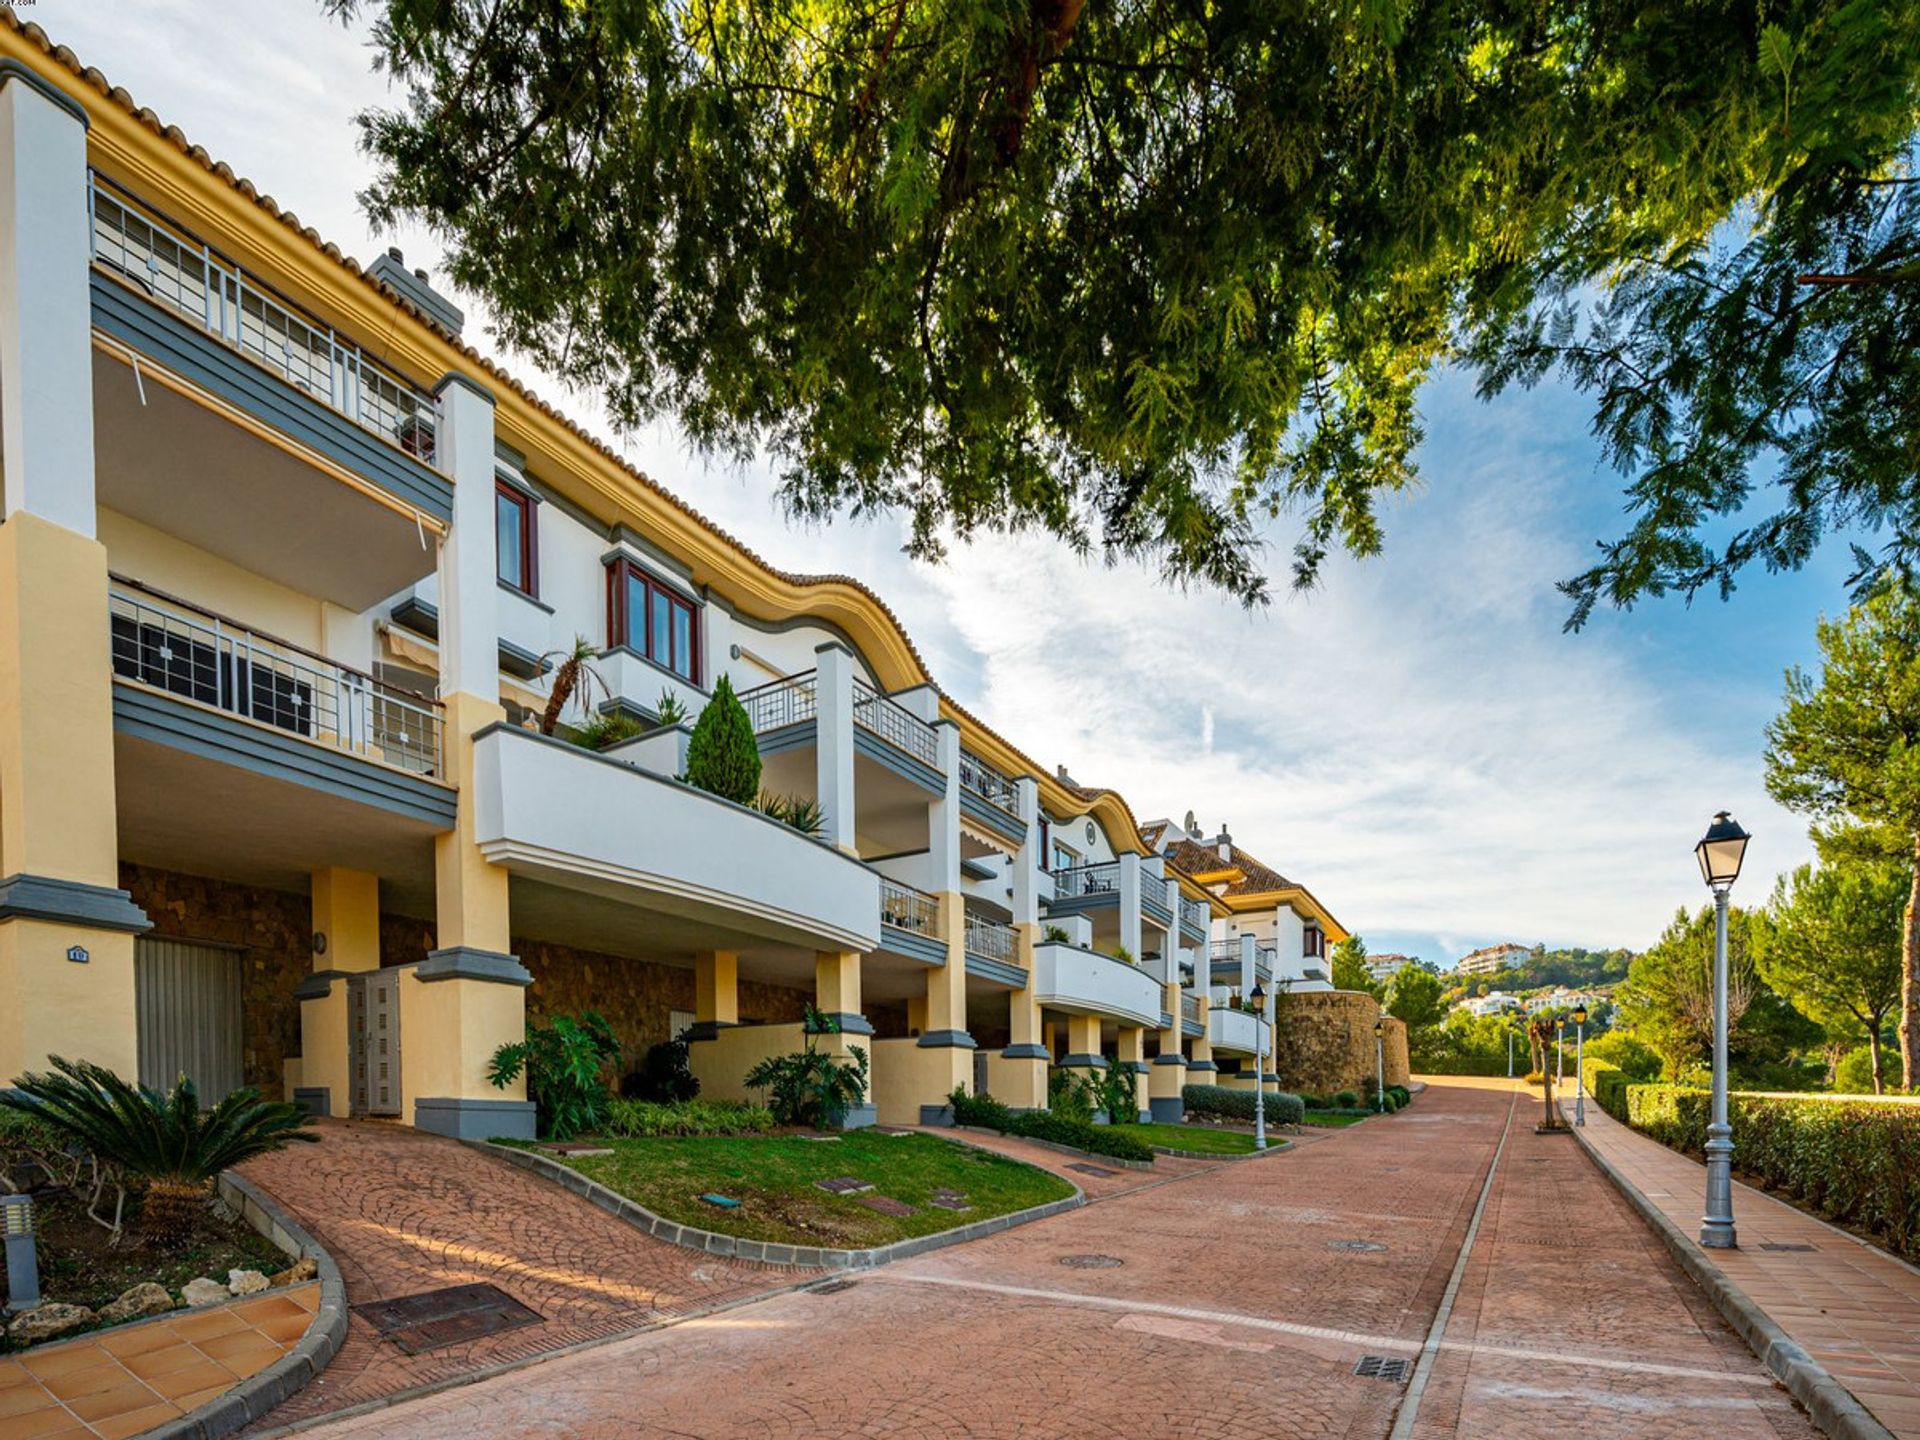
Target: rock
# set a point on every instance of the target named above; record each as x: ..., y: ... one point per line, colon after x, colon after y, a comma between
x: 294, y: 1274
x: 44, y: 1322
x: 146, y: 1299
x: 246, y: 1282
x: 203, y: 1292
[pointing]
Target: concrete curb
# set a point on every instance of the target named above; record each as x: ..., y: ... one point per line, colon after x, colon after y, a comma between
x: 1274, y: 1147
x: 1057, y: 1148
x: 766, y: 1252
x: 253, y: 1397
x: 1834, y: 1407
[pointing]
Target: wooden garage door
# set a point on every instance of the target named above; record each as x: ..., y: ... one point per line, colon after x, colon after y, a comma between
x: 188, y: 1002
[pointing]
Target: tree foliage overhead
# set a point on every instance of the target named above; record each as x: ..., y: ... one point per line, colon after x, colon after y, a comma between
x: 1143, y: 274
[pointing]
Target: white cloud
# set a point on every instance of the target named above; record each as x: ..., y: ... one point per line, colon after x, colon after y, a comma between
x: 1416, y: 741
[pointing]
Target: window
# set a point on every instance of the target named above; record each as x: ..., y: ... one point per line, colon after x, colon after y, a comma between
x: 646, y: 615
x: 1313, y: 942
x: 516, y: 555
x: 1063, y: 858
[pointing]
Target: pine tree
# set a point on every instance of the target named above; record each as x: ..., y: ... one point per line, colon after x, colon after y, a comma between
x: 723, y: 758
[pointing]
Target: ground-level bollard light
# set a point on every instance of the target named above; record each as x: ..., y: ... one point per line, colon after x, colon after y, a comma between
x: 1380, y: 1064
x: 1579, y: 1065
x: 23, y: 1268
x: 1720, y: 852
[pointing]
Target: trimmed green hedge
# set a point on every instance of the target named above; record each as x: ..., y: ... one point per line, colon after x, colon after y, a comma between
x: 1854, y: 1161
x: 642, y: 1119
x: 1224, y: 1103
x: 1489, y: 1065
x: 1607, y: 1083
x: 989, y: 1114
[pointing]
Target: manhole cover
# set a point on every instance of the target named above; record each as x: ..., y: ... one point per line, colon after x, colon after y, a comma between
x: 1382, y: 1367
x: 843, y: 1185
x: 1356, y: 1245
x: 427, y: 1321
x: 1093, y: 1170
x: 1784, y: 1245
x: 1091, y: 1262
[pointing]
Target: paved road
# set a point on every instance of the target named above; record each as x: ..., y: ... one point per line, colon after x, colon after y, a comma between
x: 1241, y: 1303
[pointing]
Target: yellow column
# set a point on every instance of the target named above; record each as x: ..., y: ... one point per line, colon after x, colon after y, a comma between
x: 836, y: 995
x: 346, y: 922
x: 942, y: 1058
x: 1201, y: 1069
x: 1131, y: 1052
x: 1017, y: 1076
x: 716, y: 988
x: 66, y: 928
x: 1169, y: 1074
x: 1083, y: 1058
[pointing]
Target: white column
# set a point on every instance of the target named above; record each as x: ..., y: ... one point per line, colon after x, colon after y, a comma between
x: 1130, y: 881
x: 46, y: 345
x: 469, y: 571
x: 833, y: 741
x: 1246, y: 965
x: 1027, y: 864
x: 943, y: 816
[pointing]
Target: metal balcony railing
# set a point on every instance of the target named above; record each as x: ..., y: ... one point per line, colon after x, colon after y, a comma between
x: 186, y: 276
x: 1083, y: 880
x: 175, y: 647
x: 1263, y: 956
x: 895, y: 724
x: 1195, y: 915
x: 780, y: 703
x: 988, y: 783
x: 1224, y: 950
x: 1190, y: 1008
x: 989, y: 938
x: 905, y: 908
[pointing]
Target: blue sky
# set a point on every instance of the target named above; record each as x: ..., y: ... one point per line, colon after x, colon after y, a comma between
x: 1416, y: 740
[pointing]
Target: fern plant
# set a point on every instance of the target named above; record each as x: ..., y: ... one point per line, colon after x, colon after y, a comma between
x: 168, y: 1140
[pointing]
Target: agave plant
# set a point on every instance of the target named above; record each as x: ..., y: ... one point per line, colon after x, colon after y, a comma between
x: 573, y: 671
x: 168, y: 1139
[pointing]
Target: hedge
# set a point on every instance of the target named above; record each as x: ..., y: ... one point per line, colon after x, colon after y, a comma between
x: 989, y: 1114
x: 1489, y: 1065
x: 640, y: 1119
x: 1854, y: 1161
x: 1607, y: 1083
x: 1222, y: 1103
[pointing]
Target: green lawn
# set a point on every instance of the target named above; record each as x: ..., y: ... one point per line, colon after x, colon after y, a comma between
x: 1334, y: 1119
x: 773, y: 1177
x: 1207, y: 1138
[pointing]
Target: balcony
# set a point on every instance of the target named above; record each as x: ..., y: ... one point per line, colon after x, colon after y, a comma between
x: 1082, y: 982
x: 894, y: 725
x: 1235, y: 1030
x: 1087, y: 886
x: 1190, y: 1022
x: 988, y: 798
x: 1196, y: 920
x: 230, y: 419
x: 779, y: 707
x: 699, y: 872
x: 910, y: 923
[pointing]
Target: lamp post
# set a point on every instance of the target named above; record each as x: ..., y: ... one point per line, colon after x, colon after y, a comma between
x: 1560, y: 1057
x: 1720, y: 852
x: 1380, y: 1064
x: 1579, y: 1067
x: 1259, y: 998
x: 1509, y: 1044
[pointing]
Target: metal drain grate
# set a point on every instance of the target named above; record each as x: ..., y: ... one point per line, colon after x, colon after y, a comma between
x: 832, y: 1287
x: 1383, y: 1367
x: 1785, y: 1245
x: 433, y: 1318
x: 1367, y: 1245
x: 1091, y: 1262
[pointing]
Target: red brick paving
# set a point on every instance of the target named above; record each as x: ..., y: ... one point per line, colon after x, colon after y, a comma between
x: 403, y: 1212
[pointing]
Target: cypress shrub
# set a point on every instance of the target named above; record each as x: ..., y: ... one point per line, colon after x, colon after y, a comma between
x: 723, y: 758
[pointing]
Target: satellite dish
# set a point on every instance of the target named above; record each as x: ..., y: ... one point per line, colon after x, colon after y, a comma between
x: 1193, y: 825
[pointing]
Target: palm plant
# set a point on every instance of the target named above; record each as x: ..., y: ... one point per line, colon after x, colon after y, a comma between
x: 168, y: 1139
x: 573, y: 670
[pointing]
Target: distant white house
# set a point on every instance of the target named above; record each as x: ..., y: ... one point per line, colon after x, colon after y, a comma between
x: 1496, y: 1003
x: 1384, y: 967
x: 1492, y: 958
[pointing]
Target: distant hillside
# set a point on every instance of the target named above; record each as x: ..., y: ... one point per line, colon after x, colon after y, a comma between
x: 1573, y: 967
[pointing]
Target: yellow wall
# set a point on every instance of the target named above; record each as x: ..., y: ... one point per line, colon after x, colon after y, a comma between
x: 449, y: 1030
x: 51, y: 1006
x: 720, y: 1063
x: 159, y: 560
x: 907, y: 1075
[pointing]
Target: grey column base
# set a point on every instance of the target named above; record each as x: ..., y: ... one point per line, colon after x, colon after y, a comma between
x: 1206, y: 1065
x: 1145, y: 1117
x: 941, y: 1115
x: 1084, y: 1062
x: 314, y: 1099
x: 859, y: 1117
x: 1138, y: 1067
x: 466, y: 1119
x: 1026, y: 1052
x: 946, y: 1040
x: 70, y: 902
x: 319, y: 985
x: 849, y: 1023
x: 1167, y: 1109
x: 464, y: 962
x: 1169, y: 1060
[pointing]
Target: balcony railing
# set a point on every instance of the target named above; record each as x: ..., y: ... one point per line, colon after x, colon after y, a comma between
x: 904, y: 908
x: 1190, y: 1008
x: 1083, y: 880
x: 1222, y: 951
x: 988, y: 783
x: 1263, y: 961
x: 185, y: 275
x: 989, y: 938
x: 895, y: 724
x: 1195, y: 915
x: 780, y: 703
x: 175, y: 647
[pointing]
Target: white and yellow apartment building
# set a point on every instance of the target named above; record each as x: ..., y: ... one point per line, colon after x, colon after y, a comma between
x: 280, y: 559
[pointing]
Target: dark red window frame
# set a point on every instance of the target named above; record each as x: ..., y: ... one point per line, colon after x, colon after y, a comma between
x: 529, y: 538
x: 636, y: 632
x: 1313, y: 942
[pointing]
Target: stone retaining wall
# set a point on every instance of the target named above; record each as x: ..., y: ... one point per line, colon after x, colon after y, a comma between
x: 1323, y: 1042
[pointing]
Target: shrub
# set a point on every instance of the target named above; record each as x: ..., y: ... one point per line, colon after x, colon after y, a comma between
x: 1346, y: 1100
x: 664, y: 1076
x: 668, y: 710
x: 1312, y: 1101
x: 1114, y: 1092
x: 1070, y: 1095
x: 1854, y: 1074
x: 1535, y: 1077
x: 642, y: 1119
x: 982, y: 1110
x: 166, y: 1139
x: 1401, y: 1094
x: 1855, y: 1161
x: 723, y: 758
x: 1220, y: 1103
x: 1636, y: 1059
x: 1054, y: 935
x: 598, y: 730
x: 812, y: 1087
x: 802, y: 814
x: 1607, y: 1083
x: 565, y: 1064
x: 990, y: 1114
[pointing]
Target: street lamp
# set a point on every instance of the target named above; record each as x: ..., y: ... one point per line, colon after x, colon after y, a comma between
x: 1380, y: 1064
x: 1259, y: 998
x: 1720, y: 852
x: 1560, y: 1057
x: 1579, y: 1067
